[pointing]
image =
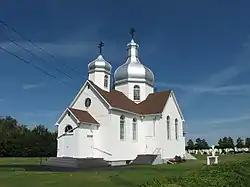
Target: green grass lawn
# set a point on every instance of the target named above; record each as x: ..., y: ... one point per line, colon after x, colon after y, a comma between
x: 16, y: 176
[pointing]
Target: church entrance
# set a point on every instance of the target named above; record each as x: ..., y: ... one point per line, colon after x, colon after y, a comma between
x: 69, y: 146
x: 149, y: 145
x: 89, y: 146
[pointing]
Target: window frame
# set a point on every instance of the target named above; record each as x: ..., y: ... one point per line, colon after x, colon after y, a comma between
x: 68, y: 131
x: 106, y: 79
x: 176, y: 124
x: 137, y: 93
x: 134, y: 129
x: 168, y: 128
x: 122, y: 127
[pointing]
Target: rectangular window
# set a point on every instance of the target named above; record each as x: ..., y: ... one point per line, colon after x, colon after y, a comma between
x: 168, y: 131
x: 134, y: 131
x: 105, y: 81
x: 122, y: 131
x: 176, y: 131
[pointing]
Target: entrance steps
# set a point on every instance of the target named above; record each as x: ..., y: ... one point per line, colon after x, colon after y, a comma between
x: 147, y: 159
x: 74, y: 163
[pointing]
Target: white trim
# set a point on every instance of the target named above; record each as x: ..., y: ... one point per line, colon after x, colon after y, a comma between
x: 178, y: 108
x: 113, y: 108
x: 122, y: 110
x: 87, y: 123
x: 61, y: 117
x: 99, y: 94
x: 119, y: 109
x: 77, y: 120
x: 78, y: 94
x: 82, y: 89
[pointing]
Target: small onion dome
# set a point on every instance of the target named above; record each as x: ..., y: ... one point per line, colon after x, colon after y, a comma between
x: 133, y: 69
x: 99, y: 64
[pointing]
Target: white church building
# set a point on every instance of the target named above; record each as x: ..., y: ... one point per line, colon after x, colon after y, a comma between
x: 118, y: 122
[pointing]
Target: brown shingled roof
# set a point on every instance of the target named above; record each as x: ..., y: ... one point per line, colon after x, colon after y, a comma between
x: 83, y: 116
x: 153, y: 104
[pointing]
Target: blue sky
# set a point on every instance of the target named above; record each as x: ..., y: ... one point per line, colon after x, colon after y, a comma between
x: 200, y: 49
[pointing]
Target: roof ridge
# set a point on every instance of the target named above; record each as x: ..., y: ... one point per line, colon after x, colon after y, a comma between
x: 153, y: 104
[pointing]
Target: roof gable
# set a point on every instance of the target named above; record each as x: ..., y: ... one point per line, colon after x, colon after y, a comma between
x: 177, y: 105
x: 88, y: 83
x: 80, y: 116
x: 83, y: 116
x: 153, y: 104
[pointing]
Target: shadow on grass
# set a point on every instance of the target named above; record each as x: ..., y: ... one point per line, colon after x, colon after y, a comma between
x: 42, y: 168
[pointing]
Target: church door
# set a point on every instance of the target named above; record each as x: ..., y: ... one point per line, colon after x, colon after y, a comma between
x: 89, y: 146
x: 69, y: 146
x: 149, y: 145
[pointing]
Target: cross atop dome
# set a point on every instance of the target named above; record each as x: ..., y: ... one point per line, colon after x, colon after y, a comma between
x: 100, y: 46
x: 132, y: 32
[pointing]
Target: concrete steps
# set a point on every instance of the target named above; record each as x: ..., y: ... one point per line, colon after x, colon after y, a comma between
x: 75, y: 163
x: 147, y: 159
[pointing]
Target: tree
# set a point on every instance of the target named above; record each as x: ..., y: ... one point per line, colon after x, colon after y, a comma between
x: 201, y: 144
x: 17, y: 140
x: 220, y: 143
x: 230, y: 143
x: 226, y: 142
x: 239, y: 143
x: 190, y: 144
x: 247, y: 142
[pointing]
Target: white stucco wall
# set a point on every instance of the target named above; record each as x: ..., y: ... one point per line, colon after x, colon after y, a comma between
x: 67, y: 145
x: 98, y: 78
x: 100, y: 112
x: 128, y: 90
x: 106, y: 143
x: 172, y: 147
x: 128, y: 148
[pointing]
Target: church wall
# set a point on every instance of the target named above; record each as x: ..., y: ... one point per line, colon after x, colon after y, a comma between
x: 128, y: 148
x: 171, y: 147
x: 100, y: 112
x: 151, y: 125
x: 149, y: 90
x: 67, y: 144
x: 128, y: 90
x: 144, y: 88
x: 122, y: 88
x: 98, y: 78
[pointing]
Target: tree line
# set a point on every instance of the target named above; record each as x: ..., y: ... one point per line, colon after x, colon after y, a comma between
x: 226, y: 142
x: 17, y: 140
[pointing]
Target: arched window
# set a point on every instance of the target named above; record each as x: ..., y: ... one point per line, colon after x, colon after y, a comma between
x: 134, y: 129
x: 68, y: 129
x: 137, y: 93
x: 176, y: 128
x: 168, y: 128
x: 122, y: 127
x: 106, y: 79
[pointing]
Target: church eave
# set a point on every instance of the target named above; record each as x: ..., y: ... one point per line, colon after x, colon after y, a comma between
x: 177, y: 105
x: 134, y: 113
x: 82, y: 89
x: 64, y: 113
x: 134, y: 80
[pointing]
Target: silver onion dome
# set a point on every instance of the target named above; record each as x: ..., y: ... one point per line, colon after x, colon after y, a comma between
x: 133, y: 69
x: 99, y: 64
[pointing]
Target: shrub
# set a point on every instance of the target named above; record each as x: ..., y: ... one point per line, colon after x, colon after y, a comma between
x: 224, y: 175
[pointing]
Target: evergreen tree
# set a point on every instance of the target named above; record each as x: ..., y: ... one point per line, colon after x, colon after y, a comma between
x: 190, y: 144
x: 17, y: 140
x: 239, y: 143
x: 247, y: 142
x: 220, y: 143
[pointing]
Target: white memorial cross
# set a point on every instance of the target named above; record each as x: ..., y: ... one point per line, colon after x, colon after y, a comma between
x: 212, y: 159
